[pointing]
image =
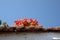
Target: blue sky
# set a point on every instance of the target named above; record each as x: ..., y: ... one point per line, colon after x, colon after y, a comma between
x: 47, y: 12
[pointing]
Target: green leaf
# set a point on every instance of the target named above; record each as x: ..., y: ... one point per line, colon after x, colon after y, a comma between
x: 0, y: 21
x: 5, y: 24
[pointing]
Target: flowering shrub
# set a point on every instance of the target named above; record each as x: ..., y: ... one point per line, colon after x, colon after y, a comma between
x: 33, y: 22
x: 26, y: 22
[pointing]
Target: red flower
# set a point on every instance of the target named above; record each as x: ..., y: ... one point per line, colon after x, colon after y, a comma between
x: 17, y: 22
x: 35, y: 22
x: 25, y: 21
x: 31, y: 20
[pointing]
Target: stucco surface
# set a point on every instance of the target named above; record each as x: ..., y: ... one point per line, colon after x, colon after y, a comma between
x: 29, y: 36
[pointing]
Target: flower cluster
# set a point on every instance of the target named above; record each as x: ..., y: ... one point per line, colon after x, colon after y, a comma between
x: 26, y: 22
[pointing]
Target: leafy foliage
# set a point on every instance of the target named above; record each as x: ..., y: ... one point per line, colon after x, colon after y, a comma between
x: 0, y: 21
x: 5, y: 24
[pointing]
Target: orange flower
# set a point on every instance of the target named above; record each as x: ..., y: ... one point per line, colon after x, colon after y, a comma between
x: 25, y: 21
x: 35, y: 22
x: 31, y: 20
x: 17, y: 23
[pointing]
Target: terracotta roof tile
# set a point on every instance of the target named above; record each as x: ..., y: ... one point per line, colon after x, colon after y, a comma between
x: 38, y: 28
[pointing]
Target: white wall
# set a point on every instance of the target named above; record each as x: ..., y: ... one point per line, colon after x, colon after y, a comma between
x: 29, y: 36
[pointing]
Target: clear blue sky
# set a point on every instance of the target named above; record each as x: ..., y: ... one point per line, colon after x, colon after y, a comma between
x: 47, y: 12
